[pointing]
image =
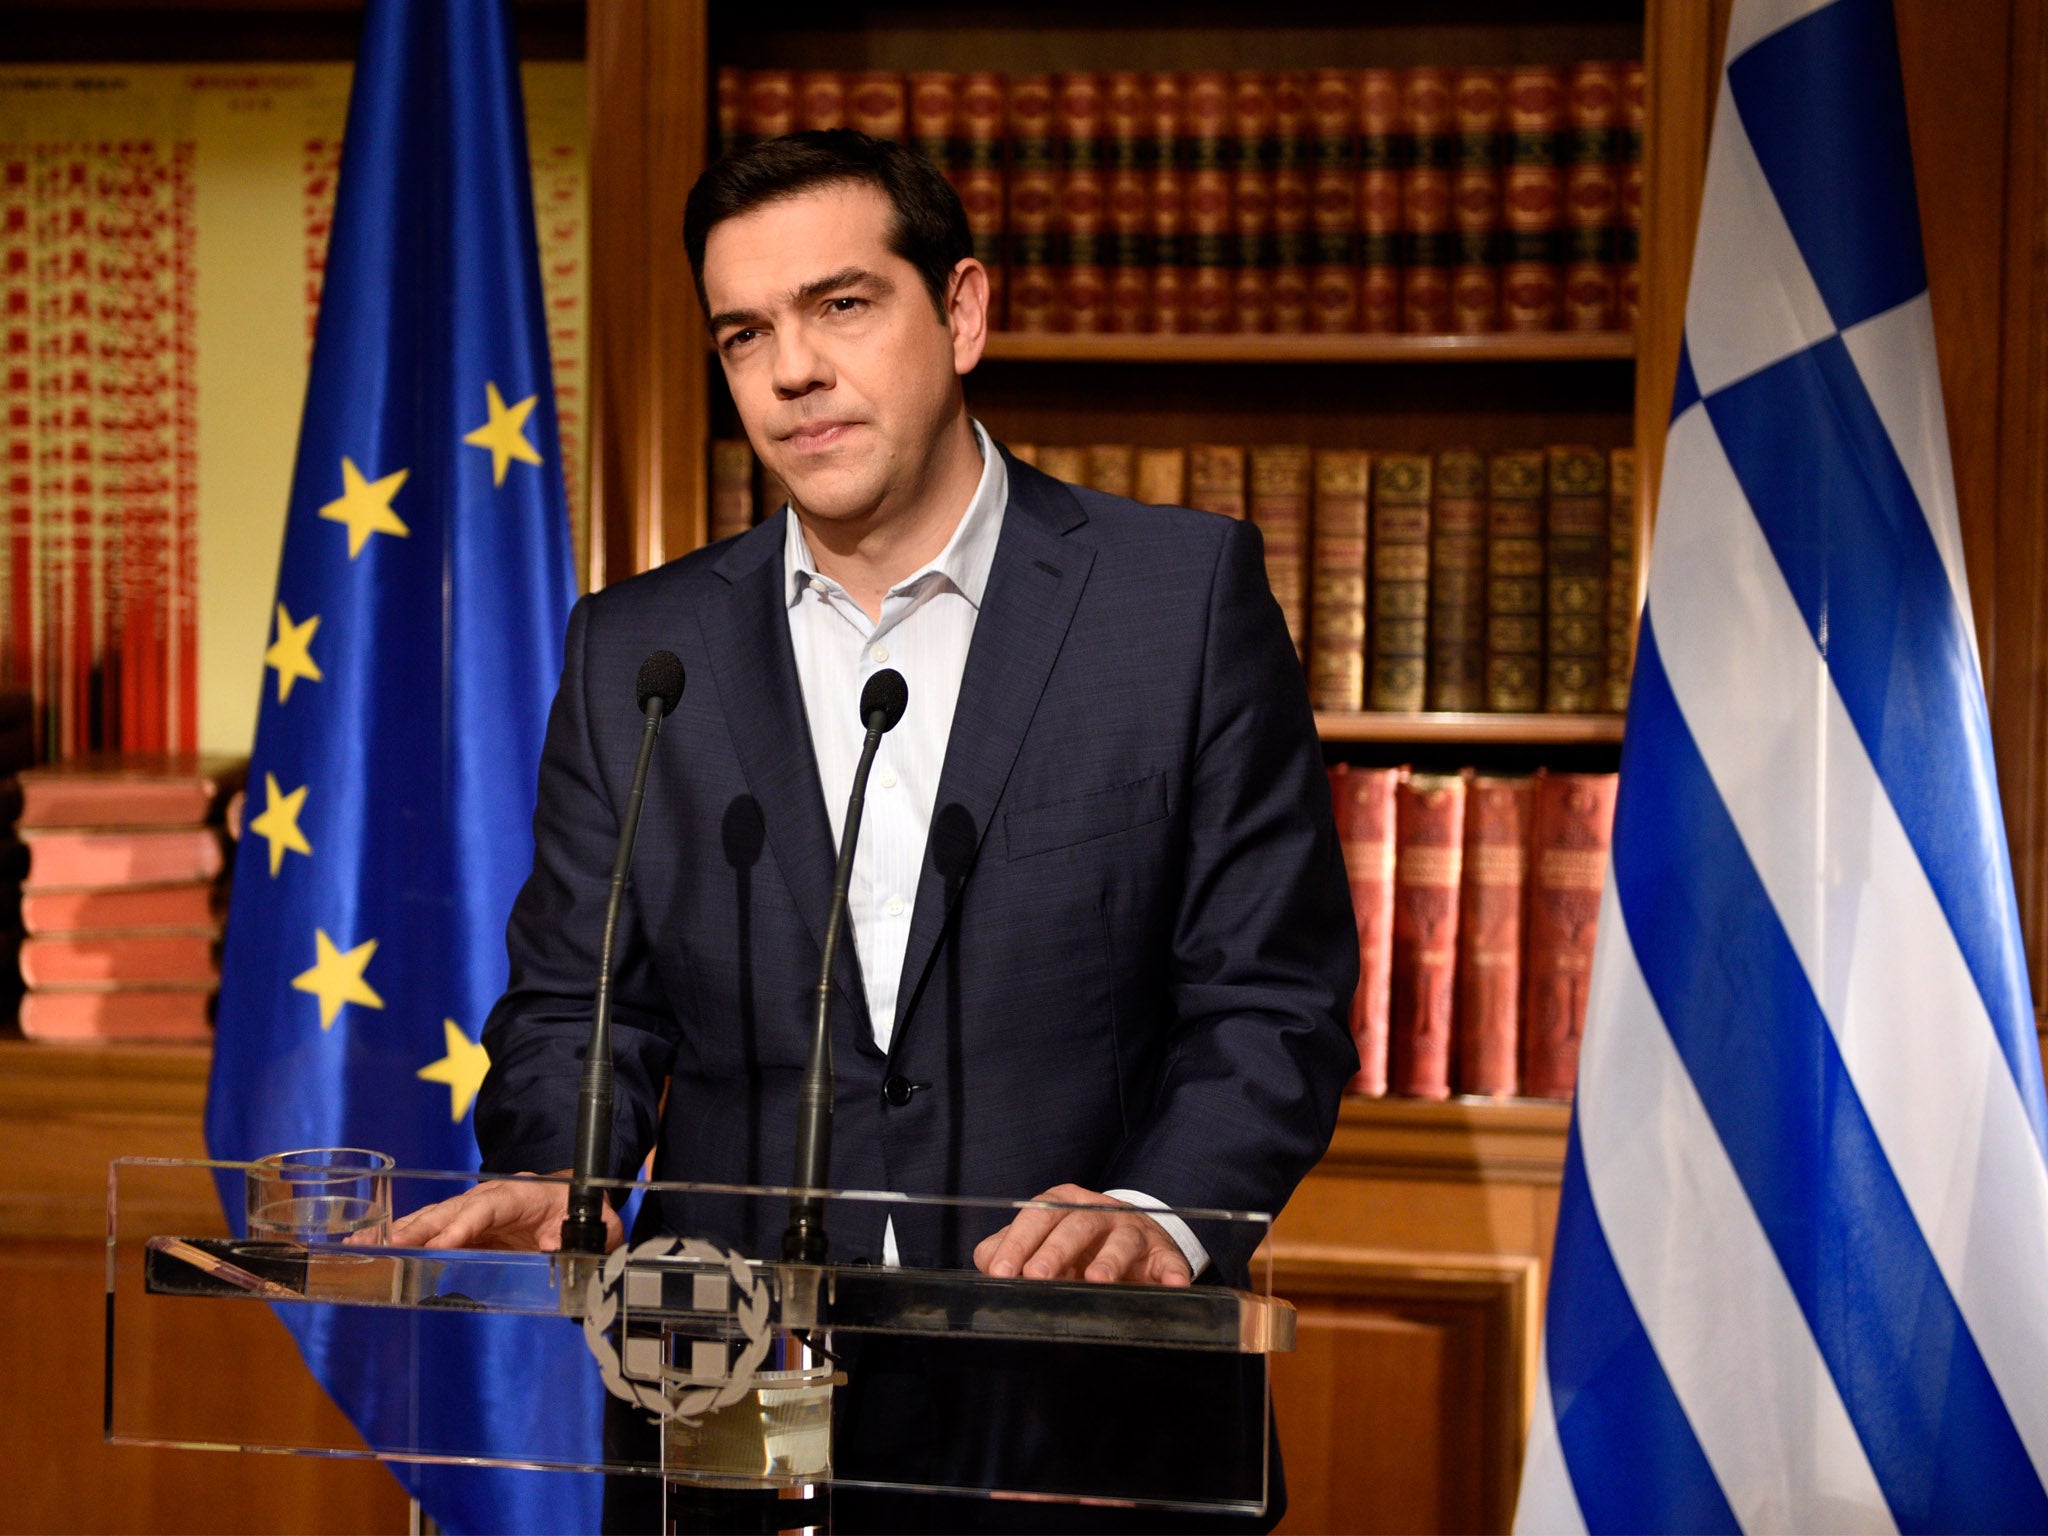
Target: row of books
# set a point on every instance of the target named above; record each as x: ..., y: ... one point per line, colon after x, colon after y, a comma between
x: 1477, y: 900
x: 1428, y: 200
x: 1457, y: 580
x: 124, y: 887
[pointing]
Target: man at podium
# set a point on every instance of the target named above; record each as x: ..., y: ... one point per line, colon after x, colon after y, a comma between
x: 1102, y: 944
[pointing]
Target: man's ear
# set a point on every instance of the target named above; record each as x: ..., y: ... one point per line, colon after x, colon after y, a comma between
x: 967, y: 313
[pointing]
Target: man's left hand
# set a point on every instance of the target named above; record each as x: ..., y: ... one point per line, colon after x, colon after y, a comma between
x: 1108, y: 1241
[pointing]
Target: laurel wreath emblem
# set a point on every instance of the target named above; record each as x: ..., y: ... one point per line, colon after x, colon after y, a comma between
x: 601, y: 1310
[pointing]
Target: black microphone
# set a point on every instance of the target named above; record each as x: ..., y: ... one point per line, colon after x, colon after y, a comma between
x: 660, y: 690
x: 882, y: 703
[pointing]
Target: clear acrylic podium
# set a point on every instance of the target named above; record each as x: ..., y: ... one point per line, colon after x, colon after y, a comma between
x: 741, y: 1371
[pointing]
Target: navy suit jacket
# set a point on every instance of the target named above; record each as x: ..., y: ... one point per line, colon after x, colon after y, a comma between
x: 1131, y: 954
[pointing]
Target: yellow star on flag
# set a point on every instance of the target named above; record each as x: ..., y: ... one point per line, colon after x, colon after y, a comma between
x: 279, y: 823
x: 292, y: 654
x: 462, y: 1069
x: 505, y: 433
x: 365, y: 506
x: 337, y: 978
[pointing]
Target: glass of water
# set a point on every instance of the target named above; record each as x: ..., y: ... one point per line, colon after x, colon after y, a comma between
x: 321, y: 1195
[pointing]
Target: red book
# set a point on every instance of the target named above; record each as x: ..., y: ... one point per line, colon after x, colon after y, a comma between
x: 935, y: 119
x: 1379, y: 200
x: 1429, y: 851
x: 1628, y: 232
x: 820, y: 99
x: 770, y: 109
x: 150, y: 957
x: 157, y: 1013
x: 877, y: 104
x: 984, y: 108
x: 139, y: 790
x: 1364, y: 799
x: 1475, y: 202
x: 1251, y: 201
x: 1426, y: 201
x: 1490, y: 934
x: 732, y: 109
x: 1126, y: 122
x: 1083, y: 202
x: 1532, y: 201
x: 195, y: 904
x: 1592, y: 195
x: 1572, y: 822
x: 1166, y: 104
x: 1209, y: 175
x: 1290, y: 168
x: 1034, y: 199
x: 157, y: 856
x: 1333, y: 203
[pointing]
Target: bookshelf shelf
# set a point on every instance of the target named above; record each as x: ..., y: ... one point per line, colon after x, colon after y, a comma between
x: 1431, y: 727
x: 1547, y: 347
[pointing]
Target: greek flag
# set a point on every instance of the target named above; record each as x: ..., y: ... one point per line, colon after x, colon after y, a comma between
x: 1801, y: 1269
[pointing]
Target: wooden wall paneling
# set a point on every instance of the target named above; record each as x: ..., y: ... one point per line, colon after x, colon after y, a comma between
x: 1405, y: 1404
x: 649, y: 410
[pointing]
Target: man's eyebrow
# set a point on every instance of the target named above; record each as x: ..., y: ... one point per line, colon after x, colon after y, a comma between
x: 846, y: 277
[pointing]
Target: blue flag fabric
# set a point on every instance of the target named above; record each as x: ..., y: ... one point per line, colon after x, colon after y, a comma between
x: 422, y: 597
x: 1801, y: 1269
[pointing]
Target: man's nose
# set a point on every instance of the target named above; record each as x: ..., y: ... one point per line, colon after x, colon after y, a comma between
x: 800, y: 366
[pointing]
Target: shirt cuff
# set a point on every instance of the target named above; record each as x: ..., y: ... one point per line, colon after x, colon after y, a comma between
x: 1183, y: 1236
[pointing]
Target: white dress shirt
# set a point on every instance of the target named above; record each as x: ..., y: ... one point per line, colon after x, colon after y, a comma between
x: 926, y: 625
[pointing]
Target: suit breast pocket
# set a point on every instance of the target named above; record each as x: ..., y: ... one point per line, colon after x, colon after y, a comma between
x: 1031, y: 829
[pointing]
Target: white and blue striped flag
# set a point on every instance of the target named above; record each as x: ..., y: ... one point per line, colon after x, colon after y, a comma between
x: 1801, y: 1270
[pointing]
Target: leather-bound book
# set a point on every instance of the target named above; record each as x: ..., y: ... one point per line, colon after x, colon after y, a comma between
x: 1126, y: 250
x: 1251, y: 201
x: 1592, y: 195
x: 1429, y: 854
x: 1281, y: 482
x: 1457, y: 582
x: 96, y: 857
x: 1475, y: 202
x: 732, y: 487
x: 1216, y: 478
x: 1364, y: 803
x: 935, y: 119
x: 1064, y: 462
x: 1379, y: 200
x: 1532, y: 201
x: 1575, y: 573
x: 1110, y: 468
x: 1400, y: 581
x: 979, y: 179
x: 877, y: 104
x: 1426, y: 125
x: 1083, y: 202
x: 770, y: 109
x: 1290, y: 202
x: 1333, y: 202
x: 820, y: 99
x: 1034, y: 202
x: 1621, y: 575
x: 1161, y: 477
x: 1573, y: 819
x: 1211, y: 167
x: 1628, y: 214
x: 1336, y: 657
x: 732, y: 109
x: 192, y: 904
x: 1514, y: 581
x: 123, y: 790
x: 1490, y: 935
x: 149, y: 957
x: 1166, y: 101
x: 155, y: 1013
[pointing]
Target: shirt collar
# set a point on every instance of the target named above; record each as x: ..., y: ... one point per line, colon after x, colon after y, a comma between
x: 964, y: 562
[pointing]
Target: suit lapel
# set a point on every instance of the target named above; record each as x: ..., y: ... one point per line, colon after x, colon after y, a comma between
x: 746, y: 636
x: 1034, y: 585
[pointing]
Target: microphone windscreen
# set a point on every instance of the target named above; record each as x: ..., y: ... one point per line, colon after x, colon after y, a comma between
x: 886, y: 695
x: 661, y: 677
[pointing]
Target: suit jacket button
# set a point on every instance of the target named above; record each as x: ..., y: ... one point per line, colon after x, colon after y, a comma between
x: 897, y: 1090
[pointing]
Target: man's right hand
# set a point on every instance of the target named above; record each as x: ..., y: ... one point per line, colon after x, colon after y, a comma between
x: 520, y: 1213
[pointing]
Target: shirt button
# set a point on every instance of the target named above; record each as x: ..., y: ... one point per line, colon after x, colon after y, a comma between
x: 880, y: 653
x: 895, y: 906
x: 888, y: 778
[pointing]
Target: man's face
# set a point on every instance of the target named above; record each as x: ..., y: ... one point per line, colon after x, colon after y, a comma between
x: 844, y: 374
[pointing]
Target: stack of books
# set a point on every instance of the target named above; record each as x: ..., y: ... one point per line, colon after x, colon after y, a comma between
x: 124, y: 895
x: 1477, y: 900
x: 1429, y: 200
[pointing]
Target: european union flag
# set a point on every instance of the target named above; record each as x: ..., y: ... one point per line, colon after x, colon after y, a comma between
x: 422, y: 597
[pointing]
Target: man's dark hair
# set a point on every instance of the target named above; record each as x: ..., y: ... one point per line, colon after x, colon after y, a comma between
x: 930, y: 227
